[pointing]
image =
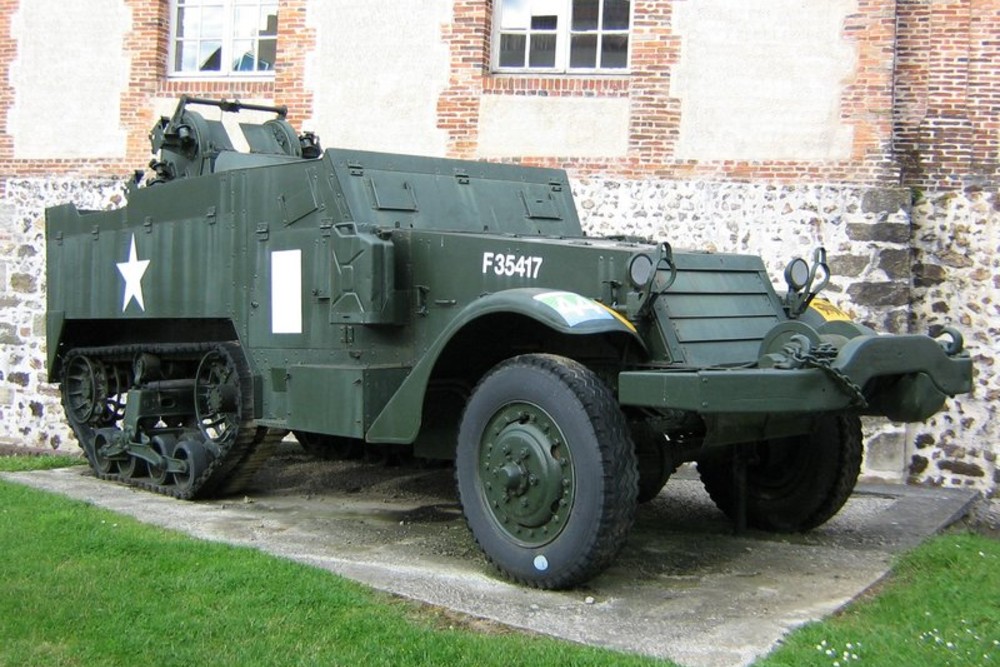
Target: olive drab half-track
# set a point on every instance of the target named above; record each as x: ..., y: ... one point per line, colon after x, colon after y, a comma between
x: 454, y: 310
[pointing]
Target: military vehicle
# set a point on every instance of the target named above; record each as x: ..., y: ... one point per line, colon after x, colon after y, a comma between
x: 455, y: 310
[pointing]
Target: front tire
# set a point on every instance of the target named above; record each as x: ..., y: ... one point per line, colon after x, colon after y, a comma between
x: 546, y: 471
x: 793, y: 484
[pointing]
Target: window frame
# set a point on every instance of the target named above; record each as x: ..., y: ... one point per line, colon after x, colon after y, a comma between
x: 564, y: 33
x: 228, y: 39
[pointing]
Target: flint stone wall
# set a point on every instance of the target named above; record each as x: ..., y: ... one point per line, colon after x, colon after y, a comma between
x: 897, y: 266
x: 30, y: 410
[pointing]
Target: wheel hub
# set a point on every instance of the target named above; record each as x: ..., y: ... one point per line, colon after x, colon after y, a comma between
x: 527, y: 479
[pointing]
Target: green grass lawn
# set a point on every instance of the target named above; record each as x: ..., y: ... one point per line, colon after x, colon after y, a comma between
x: 940, y: 607
x: 83, y: 586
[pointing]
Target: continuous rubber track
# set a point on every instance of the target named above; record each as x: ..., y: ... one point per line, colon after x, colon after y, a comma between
x: 239, y: 455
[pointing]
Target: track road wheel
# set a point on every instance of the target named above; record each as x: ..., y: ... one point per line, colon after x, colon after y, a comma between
x: 132, y: 467
x: 197, y: 459
x: 102, y: 463
x: 793, y: 484
x: 546, y: 471
x: 163, y: 445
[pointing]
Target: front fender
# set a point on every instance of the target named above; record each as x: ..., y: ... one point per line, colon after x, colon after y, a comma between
x: 565, y: 312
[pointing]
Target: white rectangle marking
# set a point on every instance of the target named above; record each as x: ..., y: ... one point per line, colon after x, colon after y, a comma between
x: 286, y: 292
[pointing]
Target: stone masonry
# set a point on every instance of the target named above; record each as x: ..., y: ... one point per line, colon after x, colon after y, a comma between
x: 876, y: 240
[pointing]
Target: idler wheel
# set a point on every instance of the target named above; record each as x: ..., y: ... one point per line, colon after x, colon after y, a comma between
x: 217, y: 397
x: 85, y: 390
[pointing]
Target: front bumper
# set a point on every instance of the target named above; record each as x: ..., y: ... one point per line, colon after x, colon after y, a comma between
x: 905, y: 378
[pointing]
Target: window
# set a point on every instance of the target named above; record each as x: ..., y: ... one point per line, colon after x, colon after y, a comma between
x: 223, y: 37
x: 562, y: 35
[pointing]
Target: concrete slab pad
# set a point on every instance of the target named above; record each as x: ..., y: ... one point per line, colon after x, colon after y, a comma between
x: 683, y: 588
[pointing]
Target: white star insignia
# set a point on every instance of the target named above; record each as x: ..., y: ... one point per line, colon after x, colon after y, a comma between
x: 132, y: 271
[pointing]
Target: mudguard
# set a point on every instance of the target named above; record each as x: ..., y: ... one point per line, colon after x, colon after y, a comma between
x: 565, y: 312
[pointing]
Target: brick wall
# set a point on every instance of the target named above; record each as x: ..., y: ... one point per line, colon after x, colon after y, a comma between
x: 147, y: 47
x: 947, y: 129
x: 940, y: 130
x: 295, y: 38
x: 943, y: 135
x: 865, y: 106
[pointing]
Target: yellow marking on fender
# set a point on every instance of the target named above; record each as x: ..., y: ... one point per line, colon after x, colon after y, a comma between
x: 618, y: 316
x: 828, y: 311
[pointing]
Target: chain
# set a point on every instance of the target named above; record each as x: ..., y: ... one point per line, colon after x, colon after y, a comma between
x: 822, y: 357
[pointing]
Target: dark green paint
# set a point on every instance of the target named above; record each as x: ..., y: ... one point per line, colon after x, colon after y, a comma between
x: 527, y: 470
x: 415, y: 272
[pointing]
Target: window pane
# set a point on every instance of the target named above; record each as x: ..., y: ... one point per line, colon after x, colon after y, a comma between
x: 212, y: 19
x: 245, y: 22
x: 616, y: 14
x: 210, y: 56
x: 614, y: 51
x: 544, y: 22
x: 583, y: 51
x: 244, y: 30
x: 243, y: 60
x: 186, y: 57
x: 187, y: 22
x: 543, y: 51
x: 585, y: 14
x: 514, y: 14
x: 512, y: 50
x: 266, y: 51
x: 269, y: 22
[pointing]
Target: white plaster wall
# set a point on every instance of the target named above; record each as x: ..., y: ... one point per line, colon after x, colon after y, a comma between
x: 68, y: 77
x: 515, y: 125
x: 762, y: 79
x: 376, y: 73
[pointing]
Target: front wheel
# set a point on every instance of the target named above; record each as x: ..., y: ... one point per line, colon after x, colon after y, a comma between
x: 795, y: 483
x: 546, y: 471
